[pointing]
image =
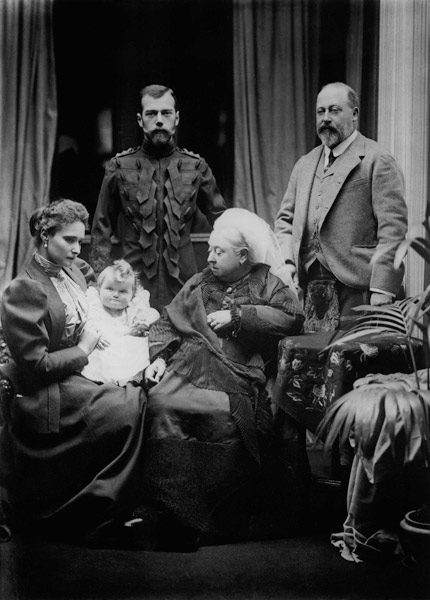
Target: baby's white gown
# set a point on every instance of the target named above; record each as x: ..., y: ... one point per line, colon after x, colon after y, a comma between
x: 127, y: 355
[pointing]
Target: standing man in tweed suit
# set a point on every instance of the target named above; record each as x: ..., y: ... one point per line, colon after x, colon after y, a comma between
x: 344, y: 201
x: 149, y: 197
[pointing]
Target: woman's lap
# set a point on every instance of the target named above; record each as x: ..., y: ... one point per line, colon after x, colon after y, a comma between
x: 196, y: 467
x: 91, y: 464
x: 179, y: 410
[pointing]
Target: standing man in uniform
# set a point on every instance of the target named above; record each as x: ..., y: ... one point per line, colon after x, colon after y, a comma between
x: 149, y: 197
x: 344, y: 202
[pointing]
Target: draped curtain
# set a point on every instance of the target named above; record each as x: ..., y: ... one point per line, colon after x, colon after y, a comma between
x: 275, y: 58
x: 28, y: 116
x: 404, y: 112
x: 362, y: 60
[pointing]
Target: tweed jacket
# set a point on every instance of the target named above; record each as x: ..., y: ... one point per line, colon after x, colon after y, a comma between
x: 33, y: 320
x: 363, y: 210
x: 150, y: 202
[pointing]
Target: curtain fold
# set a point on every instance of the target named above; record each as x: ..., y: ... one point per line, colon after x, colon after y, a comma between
x: 275, y: 58
x: 362, y: 61
x: 404, y: 111
x: 28, y: 118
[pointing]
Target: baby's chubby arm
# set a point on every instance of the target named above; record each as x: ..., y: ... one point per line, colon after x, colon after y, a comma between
x: 143, y: 320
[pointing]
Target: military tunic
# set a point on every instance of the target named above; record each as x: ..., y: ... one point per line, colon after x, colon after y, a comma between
x: 149, y: 202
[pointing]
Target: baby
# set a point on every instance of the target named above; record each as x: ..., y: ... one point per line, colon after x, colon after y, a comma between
x: 119, y: 308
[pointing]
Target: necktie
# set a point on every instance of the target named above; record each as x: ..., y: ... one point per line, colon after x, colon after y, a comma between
x: 331, y: 159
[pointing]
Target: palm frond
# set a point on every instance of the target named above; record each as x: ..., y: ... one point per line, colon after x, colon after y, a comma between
x: 391, y: 320
x: 391, y: 411
x: 337, y: 421
x: 368, y: 423
x: 425, y: 402
x: 376, y: 409
x: 419, y: 244
x: 421, y: 410
x: 406, y: 408
x: 370, y: 334
x: 401, y: 317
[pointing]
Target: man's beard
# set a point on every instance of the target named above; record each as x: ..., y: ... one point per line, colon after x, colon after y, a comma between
x: 330, y: 136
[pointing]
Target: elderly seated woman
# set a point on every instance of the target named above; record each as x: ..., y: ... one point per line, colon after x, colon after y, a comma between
x: 209, y: 421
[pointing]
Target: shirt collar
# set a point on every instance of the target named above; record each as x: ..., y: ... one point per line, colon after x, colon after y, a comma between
x: 340, y: 148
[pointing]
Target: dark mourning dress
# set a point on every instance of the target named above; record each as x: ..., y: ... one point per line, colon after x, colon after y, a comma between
x: 70, y: 454
x: 209, y: 421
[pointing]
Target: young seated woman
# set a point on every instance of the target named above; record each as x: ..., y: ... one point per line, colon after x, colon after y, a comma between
x: 70, y: 450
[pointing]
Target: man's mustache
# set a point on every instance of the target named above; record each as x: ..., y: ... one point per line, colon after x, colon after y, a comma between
x: 156, y: 131
x: 328, y: 128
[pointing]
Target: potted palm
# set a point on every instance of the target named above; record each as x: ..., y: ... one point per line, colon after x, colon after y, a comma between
x: 387, y: 419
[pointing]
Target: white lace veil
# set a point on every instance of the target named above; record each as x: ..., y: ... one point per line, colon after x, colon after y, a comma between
x: 263, y: 246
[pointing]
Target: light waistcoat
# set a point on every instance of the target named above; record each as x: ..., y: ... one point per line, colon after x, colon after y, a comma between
x: 311, y: 248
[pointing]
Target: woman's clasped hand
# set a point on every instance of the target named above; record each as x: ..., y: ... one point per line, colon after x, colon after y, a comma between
x: 220, y: 319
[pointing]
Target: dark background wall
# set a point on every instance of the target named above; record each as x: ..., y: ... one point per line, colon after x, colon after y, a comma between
x: 107, y: 50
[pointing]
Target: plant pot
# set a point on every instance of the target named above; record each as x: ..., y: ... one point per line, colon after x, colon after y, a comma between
x: 415, y: 535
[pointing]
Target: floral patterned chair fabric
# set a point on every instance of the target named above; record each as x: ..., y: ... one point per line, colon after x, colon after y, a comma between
x: 312, y: 376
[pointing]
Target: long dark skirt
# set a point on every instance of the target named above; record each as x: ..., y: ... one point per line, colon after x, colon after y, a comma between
x: 198, y: 471
x: 89, y: 472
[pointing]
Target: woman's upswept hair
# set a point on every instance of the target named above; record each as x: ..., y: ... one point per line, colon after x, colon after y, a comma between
x: 53, y: 217
x: 121, y: 270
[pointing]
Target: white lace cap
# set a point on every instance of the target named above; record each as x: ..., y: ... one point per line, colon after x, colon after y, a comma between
x: 263, y: 246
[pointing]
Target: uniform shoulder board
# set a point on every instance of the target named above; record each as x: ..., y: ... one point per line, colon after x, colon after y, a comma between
x: 128, y: 151
x: 189, y: 153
